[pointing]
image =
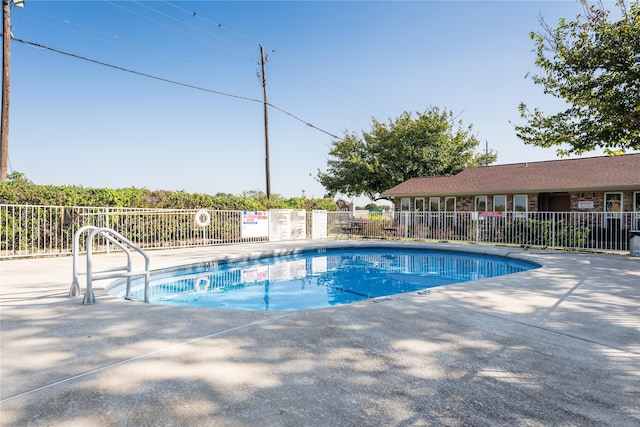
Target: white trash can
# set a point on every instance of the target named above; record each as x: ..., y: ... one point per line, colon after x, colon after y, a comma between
x: 634, y: 242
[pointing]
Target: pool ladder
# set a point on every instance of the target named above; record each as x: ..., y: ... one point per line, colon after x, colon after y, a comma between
x: 125, y: 271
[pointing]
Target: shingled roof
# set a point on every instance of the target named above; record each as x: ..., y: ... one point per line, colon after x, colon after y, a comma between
x: 603, y: 173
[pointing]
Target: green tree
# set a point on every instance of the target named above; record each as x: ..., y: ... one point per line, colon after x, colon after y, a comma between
x: 594, y: 66
x: 430, y: 144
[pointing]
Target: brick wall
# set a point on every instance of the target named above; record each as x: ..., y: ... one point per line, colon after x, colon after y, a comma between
x: 467, y: 203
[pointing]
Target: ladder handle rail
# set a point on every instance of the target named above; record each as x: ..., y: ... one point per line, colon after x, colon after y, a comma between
x: 118, y: 240
x: 89, y: 296
x: 107, y: 232
x: 75, y: 284
x: 99, y: 276
x: 147, y: 260
x: 106, y: 270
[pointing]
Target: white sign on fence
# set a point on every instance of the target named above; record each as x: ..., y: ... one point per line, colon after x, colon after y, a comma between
x: 287, y: 224
x: 255, y: 224
x: 319, y: 224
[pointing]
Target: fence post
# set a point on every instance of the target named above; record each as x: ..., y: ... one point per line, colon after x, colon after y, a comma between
x: 106, y: 221
x: 553, y: 231
x: 405, y: 231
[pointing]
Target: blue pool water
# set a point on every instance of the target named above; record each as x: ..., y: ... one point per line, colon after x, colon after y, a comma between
x: 318, y: 279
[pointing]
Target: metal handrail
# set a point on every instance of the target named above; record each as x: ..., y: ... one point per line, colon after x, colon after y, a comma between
x: 75, y: 284
x: 118, y: 240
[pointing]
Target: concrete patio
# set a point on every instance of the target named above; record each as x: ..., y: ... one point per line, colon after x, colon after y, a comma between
x: 554, y: 346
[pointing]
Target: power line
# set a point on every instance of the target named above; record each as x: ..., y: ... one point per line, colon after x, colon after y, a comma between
x: 217, y: 25
x: 299, y: 119
x: 33, y: 44
x: 194, y: 14
x: 94, y: 33
x: 237, y: 47
x: 199, y: 29
x: 173, y: 28
x: 84, y: 58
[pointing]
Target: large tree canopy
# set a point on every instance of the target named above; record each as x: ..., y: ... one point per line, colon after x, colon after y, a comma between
x: 594, y: 66
x: 428, y: 145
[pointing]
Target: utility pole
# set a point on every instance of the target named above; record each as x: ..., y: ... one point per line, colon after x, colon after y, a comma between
x: 4, y: 128
x: 6, y: 56
x: 266, y: 123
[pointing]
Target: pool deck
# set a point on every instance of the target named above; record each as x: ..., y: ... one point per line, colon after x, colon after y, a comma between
x: 555, y: 346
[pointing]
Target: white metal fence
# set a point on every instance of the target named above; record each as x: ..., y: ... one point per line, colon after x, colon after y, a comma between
x: 553, y: 230
x: 27, y: 230
x: 30, y: 231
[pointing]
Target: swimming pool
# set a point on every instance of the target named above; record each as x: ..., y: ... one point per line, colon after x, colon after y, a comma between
x: 315, y: 279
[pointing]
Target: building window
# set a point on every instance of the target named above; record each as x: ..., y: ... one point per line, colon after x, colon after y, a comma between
x: 405, y: 208
x: 613, y: 204
x: 434, y: 211
x: 481, y: 204
x: 450, y: 210
x: 434, y: 204
x: 419, y: 208
x: 613, y: 210
x: 520, y: 204
x: 450, y: 205
x: 499, y: 203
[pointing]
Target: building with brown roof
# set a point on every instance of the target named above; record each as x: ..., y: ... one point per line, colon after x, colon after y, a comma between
x: 594, y: 184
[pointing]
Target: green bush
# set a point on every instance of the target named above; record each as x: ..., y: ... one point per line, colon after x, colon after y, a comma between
x: 18, y: 190
x: 542, y: 233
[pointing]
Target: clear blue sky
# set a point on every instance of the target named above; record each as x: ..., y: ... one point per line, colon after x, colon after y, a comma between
x: 332, y: 64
